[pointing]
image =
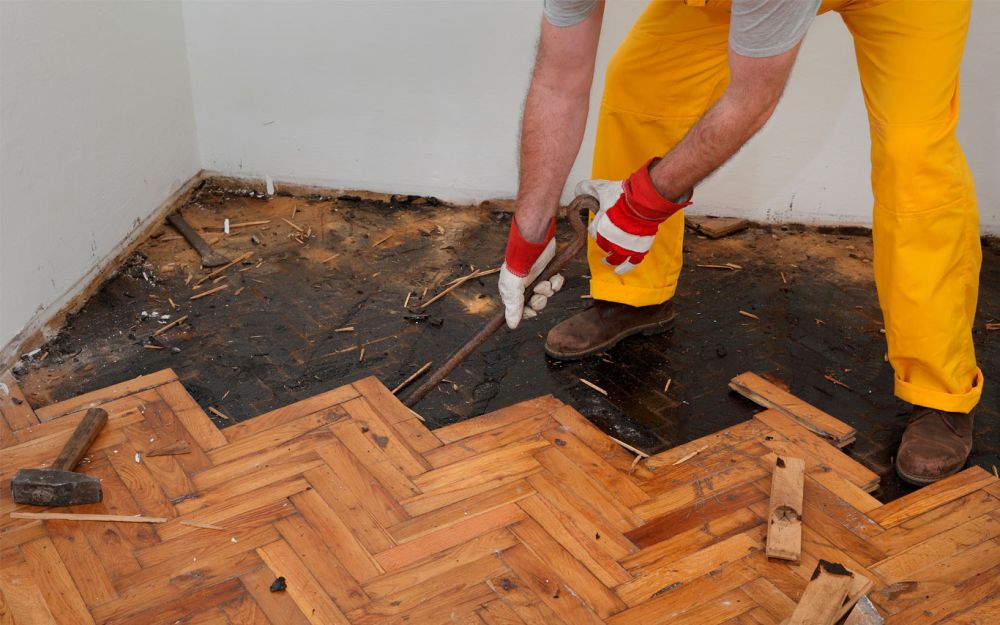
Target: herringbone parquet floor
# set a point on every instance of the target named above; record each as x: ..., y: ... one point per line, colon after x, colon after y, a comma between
x: 526, y: 515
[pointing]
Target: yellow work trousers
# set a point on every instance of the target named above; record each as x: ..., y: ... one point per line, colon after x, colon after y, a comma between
x: 672, y: 67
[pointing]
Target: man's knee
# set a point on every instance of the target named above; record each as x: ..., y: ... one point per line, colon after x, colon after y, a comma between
x: 917, y: 167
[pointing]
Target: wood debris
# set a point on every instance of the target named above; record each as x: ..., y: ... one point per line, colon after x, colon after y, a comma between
x: 382, y: 240
x: 345, y: 329
x: 210, y: 292
x: 416, y: 374
x: 294, y: 225
x: 406, y: 302
x: 689, y: 455
x: 361, y: 356
x: 238, y: 291
x: 750, y: 315
x: 247, y: 224
x: 727, y: 266
x: 328, y: 259
x: 151, y: 346
x: 628, y: 447
x: 210, y: 276
x: 666, y: 387
x: 594, y: 386
x: 172, y: 304
x: 836, y: 381
x: 454, y: 284
x: 716, y: 227
x: 218, y: 413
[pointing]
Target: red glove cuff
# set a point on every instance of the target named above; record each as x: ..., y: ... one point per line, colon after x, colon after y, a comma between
x: 644, y: 200
x: 521, y: 253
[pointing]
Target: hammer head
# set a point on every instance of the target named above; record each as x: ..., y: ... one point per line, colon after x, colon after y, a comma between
x: 51, y: 487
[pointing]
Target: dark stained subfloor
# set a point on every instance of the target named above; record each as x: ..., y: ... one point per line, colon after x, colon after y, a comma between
x: 271, y: 337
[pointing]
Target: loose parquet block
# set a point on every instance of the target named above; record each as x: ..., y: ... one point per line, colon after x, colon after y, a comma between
x: 526, y: 515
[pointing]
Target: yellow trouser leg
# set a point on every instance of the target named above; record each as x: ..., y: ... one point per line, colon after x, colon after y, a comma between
x: 926, y: 230
x: 668, y: 71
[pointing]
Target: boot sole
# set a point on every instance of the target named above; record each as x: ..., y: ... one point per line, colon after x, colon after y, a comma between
x: 922, y: 481
x: 650, y: 329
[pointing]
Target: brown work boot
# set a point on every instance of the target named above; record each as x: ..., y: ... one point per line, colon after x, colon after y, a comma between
x: 935, y: 445
x: 601, y: 326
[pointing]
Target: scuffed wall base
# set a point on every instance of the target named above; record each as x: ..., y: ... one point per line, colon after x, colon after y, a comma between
x: 47, y: 322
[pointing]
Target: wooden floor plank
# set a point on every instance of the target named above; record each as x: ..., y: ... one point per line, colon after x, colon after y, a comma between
x: 368, y: 491
x: 380, y: 464
x: 105, y: 395
x: 305, y: 591
x: 341, y: 541
x: 191, y: 415
x: 82, y: 563
x: 932, y: 496
x: 417, y: 435
x: 597, y: 468
x: 492, y: 420
x: 15, y: 411
x: 287, y: 430
x: 22, y: 598
x: 244, y: 610
x: 57, y: 586
x: 321, y: 403
x: 279, y: 607
x: 489, y: 440
x: 929, y: 553
x: 921, y: 527
x: 373, y: 536
x: 549, y: 586
x: 384, y: 435
x: 522, y: 601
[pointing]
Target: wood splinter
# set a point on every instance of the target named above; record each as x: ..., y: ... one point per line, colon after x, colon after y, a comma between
x: 416, y: 374
x: 68, y: 516
x: 822, y: 601
x: 784, y: 525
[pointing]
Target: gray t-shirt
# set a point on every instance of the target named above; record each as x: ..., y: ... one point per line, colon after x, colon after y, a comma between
x: 757, y: 28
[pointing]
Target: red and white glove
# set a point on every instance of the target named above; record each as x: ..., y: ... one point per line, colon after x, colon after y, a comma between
x: 522, y: 264
x: 631, y: 212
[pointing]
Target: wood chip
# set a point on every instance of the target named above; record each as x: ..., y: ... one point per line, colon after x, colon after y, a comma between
x: 205, y: 526
x: 67, y: 516
x: 218, y: 413
x: 210, y: 292
x: 690, y: 455
x: 594, y: 386
x: 329, y: 258
x: 247, y: 224
x: 666, y: 387
x: 990, y: 326
x: 238, y: 291
x: 345, y: 329
x: 750, y: 315
x: 212, y: 275
x: 783, y: 278
x: 382, y: 240
x: 406, y: 302
x: 635, y: 451
x: 151, y: 346
x: 361, y: 356
x: 728, y: 267
x: 294, y: 225
x: 419, y: 372
x: 836, y: 381
x: 172, y: 304
x: 220, y: 279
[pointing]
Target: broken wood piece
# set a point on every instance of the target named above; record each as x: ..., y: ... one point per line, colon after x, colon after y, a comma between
x: 766, y: 394
x: 171, y: 325
x: 823, y: 599
x: 635, y: 451
x: 454, y: 284
x: 382, y: 240
x: 247, y: 224
x: 205, y: 526
x: 716, y: 227
x: 215, y: 273
x: 728, y: 266
x: 345, y: 329
x: 690, y: 455
x: 836, y: 381
x: 475, y: 274
x: 784, y: 525
x: 406, y: 302
x: 173, y: 449
x: 151, y: 346
x: 218, y: 413
x: 210, y: 292
x: 238, y: 291
x: 294, y: 225
x: 416, y: 374
x: 329, y: 258
x: 361, y: 356
x: 594, y: 386
x: 864, y: 613
x: 750, y: 315
x: 68, y: 516
x: 173, y: 304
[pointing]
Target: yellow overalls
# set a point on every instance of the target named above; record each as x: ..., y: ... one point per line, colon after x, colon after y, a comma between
x: 672, y: 67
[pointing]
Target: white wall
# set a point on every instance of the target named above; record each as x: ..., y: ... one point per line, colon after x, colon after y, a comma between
x: 424, y: 96
x: 96, y: 131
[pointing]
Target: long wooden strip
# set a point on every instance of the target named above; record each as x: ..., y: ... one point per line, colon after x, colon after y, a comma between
x: 602, y: 473
x: 105, y: 395
x: 927, y: 553
x: 933, y: 522
x: 385, y: 437
x: 784, y: 532
x: 69, y: 516
x: 763, y: 393
x: 550, y: 586
x: 291, y: 412
x: 57, y: 586
x: 279, y: 607
x: 82, y: 562
x: 932, y: 496
x: 190, y: 414
x: 341, y: 541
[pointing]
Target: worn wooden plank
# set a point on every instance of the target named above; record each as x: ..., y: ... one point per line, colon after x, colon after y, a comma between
x: 379, y: 463
x: 426, y: 546
x: 824, y: 597
x: 189, y: 413
x: 784, y: 532
x: 489, y: 440
x: 367, y: 490
x: 269, y: 438
x: 244, y: 610
x: 596, y: 468
x: 549, y: 586
x: 492, y: 420
x: 305, y: 590
x: 417, y: 435
x: 282, y: 416
x: 341, y: 541
x: 346, y: 506
x: 766, y: 394
x: 105, y: 395
x: 921, y: 527
x: 932, y: 496
x: 57, y: 586
x: 701, y: 488
x: 388, y: 406
x: 701, y: 532
x: 655, y: 577
x: 485, y: 468
x: 82, y: 563
x: 386, y: 437
x: 22, y: 598
x: 15, y: 411
x: 279, y: 607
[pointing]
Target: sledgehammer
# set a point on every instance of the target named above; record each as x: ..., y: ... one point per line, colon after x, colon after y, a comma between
x: 58, y: 485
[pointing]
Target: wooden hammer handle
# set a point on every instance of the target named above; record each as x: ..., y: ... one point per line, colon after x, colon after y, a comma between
x: 80, y: 441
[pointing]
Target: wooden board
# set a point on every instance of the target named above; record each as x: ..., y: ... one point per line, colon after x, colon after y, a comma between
x: 526, y: 515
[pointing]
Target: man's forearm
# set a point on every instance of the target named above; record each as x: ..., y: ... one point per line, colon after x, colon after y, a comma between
x: 551, y: 134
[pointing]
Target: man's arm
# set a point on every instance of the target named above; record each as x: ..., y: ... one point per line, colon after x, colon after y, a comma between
x: 755, y: 86
x: 555, y: 116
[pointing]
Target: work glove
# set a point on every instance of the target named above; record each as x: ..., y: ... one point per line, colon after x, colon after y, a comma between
x: 523, y: 262
x: 630, y: 212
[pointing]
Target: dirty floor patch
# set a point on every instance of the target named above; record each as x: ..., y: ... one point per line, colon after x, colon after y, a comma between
x: 320, y: 303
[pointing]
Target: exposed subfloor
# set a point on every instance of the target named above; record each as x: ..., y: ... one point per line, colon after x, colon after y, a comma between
x: 271, y: 337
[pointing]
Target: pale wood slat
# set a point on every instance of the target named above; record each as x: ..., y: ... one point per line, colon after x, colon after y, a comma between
x: 932, y: 496
x: 105, y: 395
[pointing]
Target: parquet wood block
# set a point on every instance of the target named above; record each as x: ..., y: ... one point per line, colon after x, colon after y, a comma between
x: 526, y: 515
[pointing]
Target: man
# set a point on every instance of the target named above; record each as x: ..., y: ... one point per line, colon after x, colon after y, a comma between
x: 691, y: 83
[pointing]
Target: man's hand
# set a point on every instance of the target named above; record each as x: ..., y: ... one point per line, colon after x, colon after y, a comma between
x: 522, y: 264
x: 631, y: 211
